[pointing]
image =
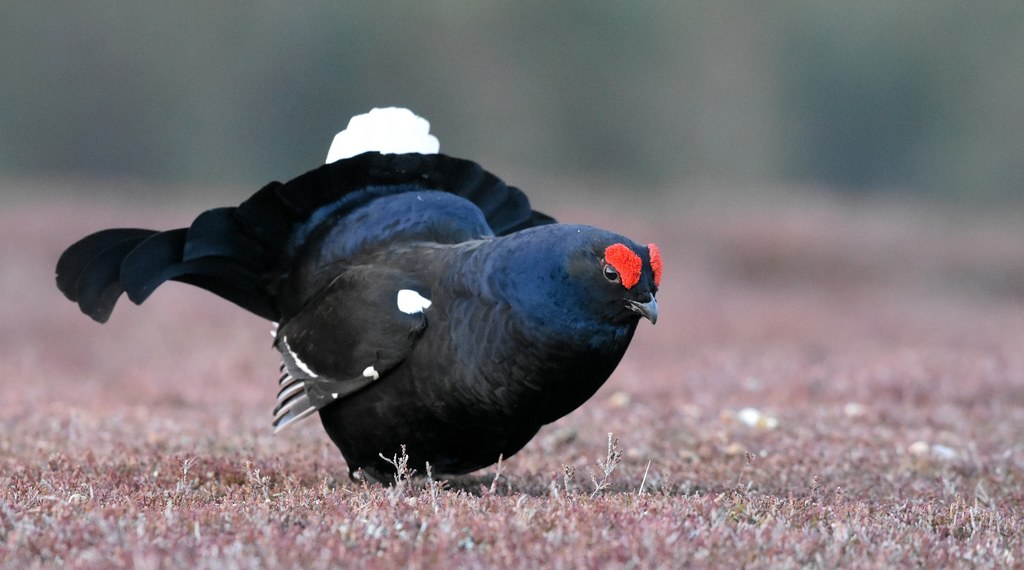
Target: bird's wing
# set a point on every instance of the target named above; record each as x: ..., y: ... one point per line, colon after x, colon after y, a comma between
x: 351, y: 334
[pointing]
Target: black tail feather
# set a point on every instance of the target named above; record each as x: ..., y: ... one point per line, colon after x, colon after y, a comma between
x: 77, y: 257
x: 96, y: 270
x: 151, y: 263
x: 160, y: 258
x: 505, y: 207
x: 216, y: 233
x: 89, y: 271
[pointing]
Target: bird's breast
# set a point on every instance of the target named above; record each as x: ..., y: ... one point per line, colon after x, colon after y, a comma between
x: 499, y: 364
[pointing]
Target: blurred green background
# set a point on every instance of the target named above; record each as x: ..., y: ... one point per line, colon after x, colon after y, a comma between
x: 922, y: 98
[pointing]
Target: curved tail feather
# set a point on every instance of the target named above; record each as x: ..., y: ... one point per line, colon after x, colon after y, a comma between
x: 89, y: 272
x: 96, y: 270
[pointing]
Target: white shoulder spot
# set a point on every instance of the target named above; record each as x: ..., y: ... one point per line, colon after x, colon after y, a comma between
x: 298, y: 361
x: 371, y: 372
x: 410, y: 302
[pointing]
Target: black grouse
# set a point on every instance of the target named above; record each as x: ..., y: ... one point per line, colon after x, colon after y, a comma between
x: 420, y: 301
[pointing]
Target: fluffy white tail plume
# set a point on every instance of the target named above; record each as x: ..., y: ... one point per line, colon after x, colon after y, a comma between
x: 391, y: 130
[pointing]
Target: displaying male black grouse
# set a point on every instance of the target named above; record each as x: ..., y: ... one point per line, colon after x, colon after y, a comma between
x: 420, y: 300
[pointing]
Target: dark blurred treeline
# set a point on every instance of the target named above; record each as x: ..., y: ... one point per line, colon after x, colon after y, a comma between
x: 923, y: 97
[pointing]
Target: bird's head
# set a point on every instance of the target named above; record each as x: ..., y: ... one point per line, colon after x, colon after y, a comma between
x: 585, y: 275
x: 634, y: 273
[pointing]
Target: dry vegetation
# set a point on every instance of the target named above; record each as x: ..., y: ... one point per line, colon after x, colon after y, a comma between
x: 881, y: 348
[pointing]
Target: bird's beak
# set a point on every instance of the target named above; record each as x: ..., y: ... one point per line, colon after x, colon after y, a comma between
x: 648, y: 309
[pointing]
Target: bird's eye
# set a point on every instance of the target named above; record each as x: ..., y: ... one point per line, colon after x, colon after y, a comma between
x: 610, y: 274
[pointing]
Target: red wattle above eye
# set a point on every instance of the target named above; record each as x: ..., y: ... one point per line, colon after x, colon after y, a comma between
x: 655, y: 263
x: 627, y: 263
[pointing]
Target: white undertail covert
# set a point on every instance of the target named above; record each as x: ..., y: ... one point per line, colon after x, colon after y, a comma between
x: 389, y: 130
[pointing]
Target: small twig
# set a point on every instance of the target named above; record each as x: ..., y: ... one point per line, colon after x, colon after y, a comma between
x: 497, y: 475
x: 402, y: 473
x: 644, y: 480
x: 184, y: 483
x: 259, y: 483
x: 401, y: 465
x: 611, y: 461
x: 746, y: 466
x: 435, y: 488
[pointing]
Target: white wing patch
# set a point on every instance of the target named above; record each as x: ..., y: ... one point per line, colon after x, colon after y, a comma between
x: 298, y: 361
x: 391, y: 130
x: 371, y: 372
x: 410, y: 302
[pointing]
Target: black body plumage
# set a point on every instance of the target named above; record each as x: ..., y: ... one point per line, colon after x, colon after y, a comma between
x: 420, y: 302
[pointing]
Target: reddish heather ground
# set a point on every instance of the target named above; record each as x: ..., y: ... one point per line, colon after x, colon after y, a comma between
x: 881, y: 347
